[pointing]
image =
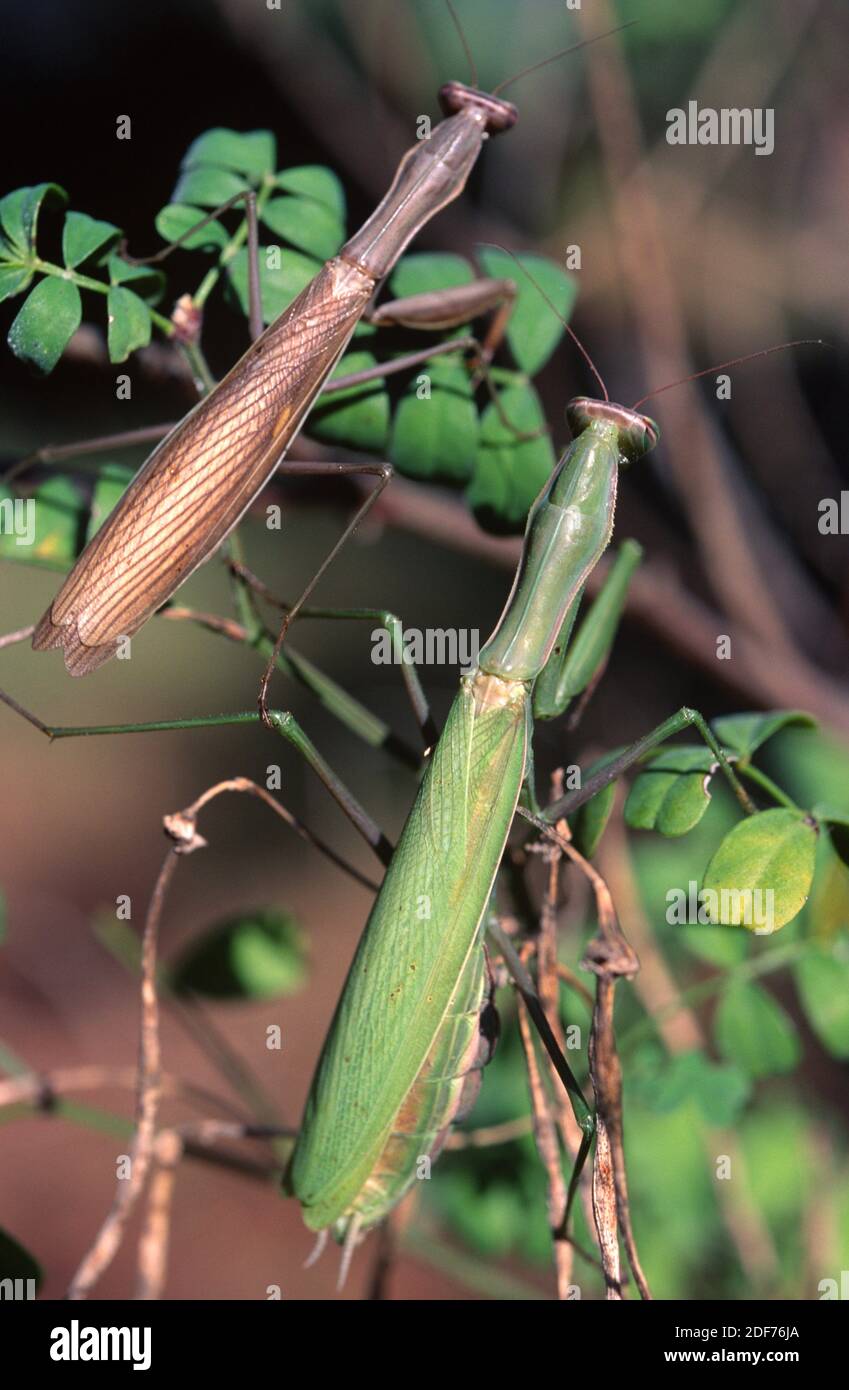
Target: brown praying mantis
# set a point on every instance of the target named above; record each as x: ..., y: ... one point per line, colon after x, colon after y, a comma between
x: 204, y: 475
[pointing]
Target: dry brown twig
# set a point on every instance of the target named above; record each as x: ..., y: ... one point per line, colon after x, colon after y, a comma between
x: 106, y: 1243
x: 181, y: 827
x: 548, y: 1148
x: 610, y: 958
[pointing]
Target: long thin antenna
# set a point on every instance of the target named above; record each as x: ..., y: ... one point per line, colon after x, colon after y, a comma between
x: 554, y: 309
x: 733, y: 362
x: 465, y: 42
x: 508, y: 82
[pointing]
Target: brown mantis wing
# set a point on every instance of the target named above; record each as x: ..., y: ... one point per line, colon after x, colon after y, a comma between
x: 220, y: 456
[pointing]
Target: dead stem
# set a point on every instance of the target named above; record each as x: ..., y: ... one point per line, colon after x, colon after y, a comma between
x: 108, y: 1239
x: 43, y: 1089
x: 548, y: 1148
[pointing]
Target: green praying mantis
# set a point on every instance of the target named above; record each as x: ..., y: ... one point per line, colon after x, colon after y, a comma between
x: 412, y: 1029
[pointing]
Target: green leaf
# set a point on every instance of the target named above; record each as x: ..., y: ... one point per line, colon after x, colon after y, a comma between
x: 436, y: 436
x: 753, y: 1031
x: 422, y: 272
x: 305, y: 223
x: 175, y: 220
x: 259, y: 955
x: 12, y: 222
x: 19, y: 214
x: 509, y: 473
x: 317, y: 182
x: 590, y: 820
x: 747, y: 732
x: 58, y: 527
x: 672, y: 793
x: 838, y: 825
x: 82, y: 236
x: 253, y: 152
x: 112, y: 483
x: 18, y: 1263
x: 129, y: 323
x: 47, y: 319
x: 358, y: 416
x: 762, y: 870
x: 279, y: 286
x: 13, y: 279
x: 827, y: 912
x: 715, y: 944
x: 146, y: 281
x: 663, y: 1083
x: 822, y: 979
x: 534, y: 330
x: 207, y: 187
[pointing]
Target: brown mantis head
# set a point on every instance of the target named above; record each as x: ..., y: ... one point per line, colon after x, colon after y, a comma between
x: 456, y: 96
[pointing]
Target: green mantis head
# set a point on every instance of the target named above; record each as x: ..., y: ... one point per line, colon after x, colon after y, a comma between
x: 637, y: 433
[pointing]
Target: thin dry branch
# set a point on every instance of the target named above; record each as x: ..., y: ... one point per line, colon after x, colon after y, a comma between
x: 108, y: 1239
x: 548, y: 1148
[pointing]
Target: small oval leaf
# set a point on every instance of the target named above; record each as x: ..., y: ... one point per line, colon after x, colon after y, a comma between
x: 670, y: 802
x: 13, y: 279
x: 48, y: 317
x: 761, y: 873
x: 207, y: 187
x: 754, y: 1032
x: 533, y: 329
x: 259, y: 955
x: 306, y: 224
x: 253, y: 152
x: 435, y: 435
x: 510, y: 472
x: 279, y: 286
x: 357, y: 416
x: 422, y: 272
x: 145, y: 280
x: 19, y: 214
x: 747, y: 732
x: 178, y: 219
x: 315, y: 181
x: 822, y: 979
x: 82, y: 236
x: 129, y: 323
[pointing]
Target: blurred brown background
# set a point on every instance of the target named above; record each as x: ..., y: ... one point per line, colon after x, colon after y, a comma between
x: 689, y: 256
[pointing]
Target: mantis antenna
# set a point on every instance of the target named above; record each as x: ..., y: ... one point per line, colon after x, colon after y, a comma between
x: 553, y: 307
x: 732, y: 362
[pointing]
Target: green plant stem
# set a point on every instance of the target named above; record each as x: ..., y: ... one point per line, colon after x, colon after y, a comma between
x: 234, y: 245
x: 755, y: 775
x: 85, y: 282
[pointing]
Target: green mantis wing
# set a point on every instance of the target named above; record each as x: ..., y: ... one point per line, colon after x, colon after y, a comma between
x: 411, y: 983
